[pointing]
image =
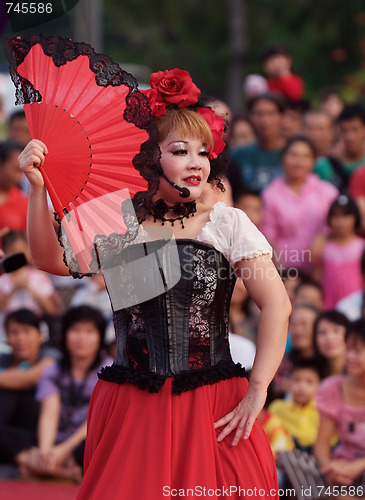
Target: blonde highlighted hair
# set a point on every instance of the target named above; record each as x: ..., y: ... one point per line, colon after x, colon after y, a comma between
x: 186, y: 122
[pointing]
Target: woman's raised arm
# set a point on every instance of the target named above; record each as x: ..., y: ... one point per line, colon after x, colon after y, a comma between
x: 47, y: 254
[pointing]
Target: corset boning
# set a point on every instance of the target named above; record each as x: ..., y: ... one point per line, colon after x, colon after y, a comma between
x: 170, y: 301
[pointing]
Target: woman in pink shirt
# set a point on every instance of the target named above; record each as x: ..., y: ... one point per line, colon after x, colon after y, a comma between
x: 341, y: 403
x: 296, y: 206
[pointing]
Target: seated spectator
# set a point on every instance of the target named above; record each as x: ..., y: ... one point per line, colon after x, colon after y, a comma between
x: 298, y: 413
x: 296, y: 206
x: 341, y: 404
x: 329, y: 341
x: 277, y: 61
x: 353, y: 305
x: 64, y: 393
x: 301, y: 323
x: 291, y: 279
x: 255, y: 165
x: 26, y: 287
x: 20, y: 370
x: 337, y: 255
x: 13, y: 201
x: 309, y: 291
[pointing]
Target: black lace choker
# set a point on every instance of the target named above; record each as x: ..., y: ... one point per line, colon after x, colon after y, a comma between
x: 183, y: 211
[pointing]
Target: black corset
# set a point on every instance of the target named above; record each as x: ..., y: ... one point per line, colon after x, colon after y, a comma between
x: 181, y: 332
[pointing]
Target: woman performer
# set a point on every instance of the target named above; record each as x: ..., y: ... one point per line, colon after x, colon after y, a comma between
x: 174, y: 416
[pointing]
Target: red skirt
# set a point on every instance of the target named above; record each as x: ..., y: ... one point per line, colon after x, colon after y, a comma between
x: 153, y: 446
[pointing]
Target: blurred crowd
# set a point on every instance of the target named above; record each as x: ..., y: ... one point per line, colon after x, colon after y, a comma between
x: 298, y: 172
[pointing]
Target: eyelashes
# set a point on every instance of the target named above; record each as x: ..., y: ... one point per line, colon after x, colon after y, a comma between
x: 184, y: 152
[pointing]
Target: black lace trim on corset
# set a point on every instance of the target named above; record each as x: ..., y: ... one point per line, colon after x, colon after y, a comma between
x: 107, y: 72
x: 184, y: 381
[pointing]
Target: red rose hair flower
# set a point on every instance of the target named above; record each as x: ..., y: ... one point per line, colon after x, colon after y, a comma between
x: 174, y: 86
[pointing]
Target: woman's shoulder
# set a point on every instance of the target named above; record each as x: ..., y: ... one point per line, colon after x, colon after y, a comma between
x: 330, y: 388
x: 230, y: 231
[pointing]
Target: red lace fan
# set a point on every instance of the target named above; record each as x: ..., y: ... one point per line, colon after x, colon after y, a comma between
x: 98, y: 130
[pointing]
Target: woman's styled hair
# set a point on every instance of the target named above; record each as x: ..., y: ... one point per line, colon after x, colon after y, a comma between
x: 186, y: 122
x: 344, y: 205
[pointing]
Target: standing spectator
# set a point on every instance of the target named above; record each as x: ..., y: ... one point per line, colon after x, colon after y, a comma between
x: 336, y: 256
x: 256, y: 164
x: 319, y: 128
x: 341, y: 403
x: 277, y: 61
x: 241, y: 132
x: 332, y: 103
x: 13, y: 202
x: 20, y: 371
x: 296, y: 206
x: 352, y: 133
x: 18, y: 129
x: 292, y: 123
x: 64, y: 392
x: 329, y: 341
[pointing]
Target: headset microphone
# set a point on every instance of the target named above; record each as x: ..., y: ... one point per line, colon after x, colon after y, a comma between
x: 184, y: 192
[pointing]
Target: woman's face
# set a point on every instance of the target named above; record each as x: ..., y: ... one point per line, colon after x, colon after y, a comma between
x: 301, y: 328
x: 355, y: 356
x: 330, y: 339
x: 83, y: 340
x: 298, y: 162
x: 184, y: 161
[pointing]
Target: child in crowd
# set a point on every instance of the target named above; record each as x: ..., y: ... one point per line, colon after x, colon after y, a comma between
x: 341, y: 403
x: 64, y: 393
x: 337, y: 256
x: 20, y: 371
x: 329, y: 341
x: 277, y: 61
x: 299, y: 414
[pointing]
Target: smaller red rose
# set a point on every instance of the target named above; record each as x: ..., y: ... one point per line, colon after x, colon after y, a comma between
x: 216, y: 124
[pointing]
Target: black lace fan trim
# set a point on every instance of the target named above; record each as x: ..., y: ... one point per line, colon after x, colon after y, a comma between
x: 184, y: 381
x: 107, y: 72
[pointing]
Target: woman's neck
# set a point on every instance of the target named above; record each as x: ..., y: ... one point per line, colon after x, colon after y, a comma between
x: 337, y: 365
x: 80, y: 367
x: 343, y: 239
